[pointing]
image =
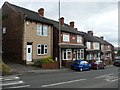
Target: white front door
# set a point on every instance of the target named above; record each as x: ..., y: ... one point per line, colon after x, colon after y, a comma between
x: 29, y: 53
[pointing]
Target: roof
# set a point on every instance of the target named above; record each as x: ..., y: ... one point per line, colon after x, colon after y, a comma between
x: 30, y: 15
x: 65, y: 28
x: 90, y: 38
x: 34, y: 16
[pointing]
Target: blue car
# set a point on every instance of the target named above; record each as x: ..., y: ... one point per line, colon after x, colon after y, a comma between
x: 80, y: 65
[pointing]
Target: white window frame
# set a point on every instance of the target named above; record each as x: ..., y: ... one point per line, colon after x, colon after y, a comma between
x: 66, y: 38
x: 79, y: 53
x: 45, y: 48
x: 88, y: 45
x: 96, y: 45
x: 42, y: 30
x: 102, y: 47
x: 79, y: 39
x: 67, y: 51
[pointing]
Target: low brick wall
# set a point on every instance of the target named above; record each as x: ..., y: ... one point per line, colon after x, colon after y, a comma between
x: 67, y: 63
x: 54, y: 65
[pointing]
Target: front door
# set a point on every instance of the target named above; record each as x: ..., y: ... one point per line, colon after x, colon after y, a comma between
x: 29, y: 53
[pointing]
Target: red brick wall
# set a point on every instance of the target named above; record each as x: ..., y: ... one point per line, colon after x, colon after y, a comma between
x: 12, y: 40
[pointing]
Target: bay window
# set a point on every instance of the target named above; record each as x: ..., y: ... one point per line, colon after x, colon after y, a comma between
x: 67, y: 54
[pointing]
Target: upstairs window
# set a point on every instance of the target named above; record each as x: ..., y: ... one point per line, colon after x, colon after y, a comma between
x: 79, y: 39
x: 88, y: 45
x: 42, y: 30
x: 96, y: 45
x: 66, y: 38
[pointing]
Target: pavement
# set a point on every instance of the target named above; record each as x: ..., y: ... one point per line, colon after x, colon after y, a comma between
x: 20, y: 69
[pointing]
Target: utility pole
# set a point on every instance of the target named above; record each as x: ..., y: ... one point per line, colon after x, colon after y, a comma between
x: 59, y: 38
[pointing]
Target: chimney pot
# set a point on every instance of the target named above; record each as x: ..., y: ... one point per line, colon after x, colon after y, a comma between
x: 102, y: 37
x: 90, y: 33
x: 72, y: 24
x: 62, y: 20
x: 41, y: 12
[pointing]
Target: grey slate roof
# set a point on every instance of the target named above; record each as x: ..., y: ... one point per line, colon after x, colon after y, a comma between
x: 30, y: 15
x: 34, y: 16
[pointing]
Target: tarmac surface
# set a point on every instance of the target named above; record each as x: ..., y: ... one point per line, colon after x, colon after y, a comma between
x: 20, y: 69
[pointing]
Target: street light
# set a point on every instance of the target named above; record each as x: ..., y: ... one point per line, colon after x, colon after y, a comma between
x: 59, y: 38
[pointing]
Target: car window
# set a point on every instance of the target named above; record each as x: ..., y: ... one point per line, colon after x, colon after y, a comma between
x: 83, y: 62
x: 117, y: 60
x: 76, y: 62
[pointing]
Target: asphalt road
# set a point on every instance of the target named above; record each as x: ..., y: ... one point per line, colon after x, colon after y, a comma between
x: 102, y: 78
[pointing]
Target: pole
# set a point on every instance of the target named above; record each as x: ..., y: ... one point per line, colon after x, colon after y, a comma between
x: 59, y: 38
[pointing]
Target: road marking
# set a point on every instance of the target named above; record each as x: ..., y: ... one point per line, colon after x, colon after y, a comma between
x: 114, y: 80
x: 19, y: 82
x: 102, y: 76
x: 20, y: 86
x: 63, y: 83
x: 7, y: 79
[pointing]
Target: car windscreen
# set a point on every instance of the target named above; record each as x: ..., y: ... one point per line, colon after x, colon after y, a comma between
x: 76, y: 62
x: 117, y: 60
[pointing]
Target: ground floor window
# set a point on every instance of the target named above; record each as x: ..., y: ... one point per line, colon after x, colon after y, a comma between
x: 89, y: 57
x: 67, y: 54
x: 42, y: 49
x: 94, y: 56
x: 80, y: 54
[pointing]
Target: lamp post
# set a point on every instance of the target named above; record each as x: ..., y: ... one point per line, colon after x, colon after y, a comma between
x: 59, y: 38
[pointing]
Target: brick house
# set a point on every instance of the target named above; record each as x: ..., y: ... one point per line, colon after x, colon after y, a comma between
x: 93, y: 46
x: 98, y: 48
x: 107, y: 50
x: 71, y: 42
x: 27, y: 35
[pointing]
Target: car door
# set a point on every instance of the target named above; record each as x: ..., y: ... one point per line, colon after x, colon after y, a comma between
x: 85, y: 65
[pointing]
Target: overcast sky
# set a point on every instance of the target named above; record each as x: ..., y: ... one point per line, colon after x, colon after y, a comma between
x: 96, y: 15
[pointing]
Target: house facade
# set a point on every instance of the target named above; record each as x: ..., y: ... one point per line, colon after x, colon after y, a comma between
x: 107, y: 50
x: 93, y: 47
x: 71, y: 42
x: 27, y: 35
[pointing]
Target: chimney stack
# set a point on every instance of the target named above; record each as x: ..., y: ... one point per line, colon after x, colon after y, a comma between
x: 62, y: 21
x: 41, y: 12
x: 90, y: 33
x: 72, y: 24
x: 102, y: 37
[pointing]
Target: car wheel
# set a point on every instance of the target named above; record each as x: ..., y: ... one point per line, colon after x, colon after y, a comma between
x: 81, y: 69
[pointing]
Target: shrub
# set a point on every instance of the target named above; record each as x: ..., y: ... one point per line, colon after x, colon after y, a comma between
x: 41, y: 61
x: 4, y: 68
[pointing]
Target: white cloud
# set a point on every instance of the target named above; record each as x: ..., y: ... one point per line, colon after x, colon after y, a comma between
x: 105, y: 18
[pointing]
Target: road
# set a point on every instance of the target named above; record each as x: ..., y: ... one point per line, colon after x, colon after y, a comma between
x: 102, y: 78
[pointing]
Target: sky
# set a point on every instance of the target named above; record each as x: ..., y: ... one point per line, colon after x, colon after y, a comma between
x: 100, y: 16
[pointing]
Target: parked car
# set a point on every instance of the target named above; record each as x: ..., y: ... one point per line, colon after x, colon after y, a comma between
x: 97, y: 65
x: 117, y: 62
x: 80, y: 65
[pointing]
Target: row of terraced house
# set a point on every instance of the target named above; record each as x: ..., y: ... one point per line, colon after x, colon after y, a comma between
x: 29, y: 35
